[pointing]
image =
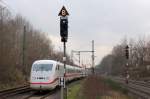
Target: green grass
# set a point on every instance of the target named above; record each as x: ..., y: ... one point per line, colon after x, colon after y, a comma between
x: 116, y: 86
x: 74, y: 90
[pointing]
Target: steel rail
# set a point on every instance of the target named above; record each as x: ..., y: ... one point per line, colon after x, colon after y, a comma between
x: 14, y: 91
x: 139, y: 88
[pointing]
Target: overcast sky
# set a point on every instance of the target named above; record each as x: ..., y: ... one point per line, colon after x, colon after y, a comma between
x: 104, y: 21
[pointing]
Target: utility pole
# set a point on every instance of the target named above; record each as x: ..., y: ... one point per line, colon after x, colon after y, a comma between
x: 2, y: 13
x: 79, y: 53
x: 71, y: 58
x: 93, y: 57
x: 64, y: 93
x: 2, y: 30
x: 127, y: 63
x: 79, y: 58
x: 64, y: 36
x: 23, y: 49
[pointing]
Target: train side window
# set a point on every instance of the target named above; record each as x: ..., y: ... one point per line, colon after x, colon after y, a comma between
x: 68, y: 70
x: 58, y: 67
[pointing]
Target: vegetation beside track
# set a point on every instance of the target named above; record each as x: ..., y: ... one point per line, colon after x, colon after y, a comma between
x: 20, y: 45
x: 95, y: 87
x: 115, y: 86
x: 74, y: 90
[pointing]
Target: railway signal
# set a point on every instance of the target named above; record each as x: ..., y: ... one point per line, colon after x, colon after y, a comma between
x: 64, y: 36
x: 127, y: 52
x: 63, y: 24
x: 64, y: 29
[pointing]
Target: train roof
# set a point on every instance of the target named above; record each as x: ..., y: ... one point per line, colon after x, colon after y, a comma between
x: 54, y: 62
x: 44, y: 62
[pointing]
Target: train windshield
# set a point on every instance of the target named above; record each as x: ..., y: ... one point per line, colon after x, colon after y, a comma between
x: 42, y: 67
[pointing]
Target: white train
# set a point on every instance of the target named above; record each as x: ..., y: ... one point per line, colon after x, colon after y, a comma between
x: 45, y: 74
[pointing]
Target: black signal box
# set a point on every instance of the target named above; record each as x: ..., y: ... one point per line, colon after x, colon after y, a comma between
x: 127, y: 52
x: 64, y: 29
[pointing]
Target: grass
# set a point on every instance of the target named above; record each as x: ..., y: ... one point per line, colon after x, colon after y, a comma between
x: 74, y: 90
x: 115, y: 86
x: 94, y: 87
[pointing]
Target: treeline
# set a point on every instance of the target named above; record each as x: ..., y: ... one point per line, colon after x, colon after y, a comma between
x: 139, y: 59
x: 18, y: 38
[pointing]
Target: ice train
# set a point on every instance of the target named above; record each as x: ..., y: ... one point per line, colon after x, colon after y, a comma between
x: 45, y: 74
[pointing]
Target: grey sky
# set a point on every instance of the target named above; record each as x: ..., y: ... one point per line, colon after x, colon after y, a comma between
x: 105, y: 21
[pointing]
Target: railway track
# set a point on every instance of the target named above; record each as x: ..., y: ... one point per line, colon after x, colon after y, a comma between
x: 139, y: 88
x: 43, y: 95
x: 52, y: 94
x: 14, y: 91
x: 24, y: 92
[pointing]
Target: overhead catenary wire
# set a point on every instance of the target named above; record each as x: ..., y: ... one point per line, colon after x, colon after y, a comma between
x: 4, y: 4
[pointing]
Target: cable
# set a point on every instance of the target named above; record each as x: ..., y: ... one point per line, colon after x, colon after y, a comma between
x: 7, y: 6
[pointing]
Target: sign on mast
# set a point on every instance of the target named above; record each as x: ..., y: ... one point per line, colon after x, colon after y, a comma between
x: 63, y: 12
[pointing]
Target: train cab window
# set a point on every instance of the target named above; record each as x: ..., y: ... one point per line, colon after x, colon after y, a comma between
x: 42, y: 67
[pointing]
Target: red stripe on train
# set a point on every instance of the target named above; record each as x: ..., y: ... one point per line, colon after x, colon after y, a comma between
x: 45, y: 82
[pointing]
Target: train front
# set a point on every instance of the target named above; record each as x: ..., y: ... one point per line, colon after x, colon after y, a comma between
x: 42, y: 75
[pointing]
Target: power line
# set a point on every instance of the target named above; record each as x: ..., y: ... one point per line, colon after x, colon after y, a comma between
x: 7, y: 6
